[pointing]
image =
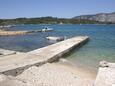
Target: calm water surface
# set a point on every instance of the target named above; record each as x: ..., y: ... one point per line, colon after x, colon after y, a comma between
x: 100, y: 47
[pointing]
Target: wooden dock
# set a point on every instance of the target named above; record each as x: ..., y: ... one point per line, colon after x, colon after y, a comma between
x: 15, y: 64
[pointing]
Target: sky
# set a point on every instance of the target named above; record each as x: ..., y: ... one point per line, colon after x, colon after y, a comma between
x: 56, y: 8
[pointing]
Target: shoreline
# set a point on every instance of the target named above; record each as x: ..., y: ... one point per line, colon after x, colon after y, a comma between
x: 49, y: 74
x: 38, y: 52
x: 84, y: 71
x: 45, y: 65
x: 40, y: 56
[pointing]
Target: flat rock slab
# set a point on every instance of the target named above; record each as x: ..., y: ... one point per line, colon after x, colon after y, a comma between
x: 12, y: 81
x: 4, y: 52
x: 106, y: 75
x: 46, y: 75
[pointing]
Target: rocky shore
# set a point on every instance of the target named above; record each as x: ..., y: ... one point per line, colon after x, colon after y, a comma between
x: 46, y: 75
x: 53, y: 74
x: 38, y: 68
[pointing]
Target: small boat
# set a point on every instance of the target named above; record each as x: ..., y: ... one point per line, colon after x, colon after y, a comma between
x: 46, y: 29
x: 53, y: 38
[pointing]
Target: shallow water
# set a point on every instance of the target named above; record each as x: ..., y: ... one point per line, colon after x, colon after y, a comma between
x: 100, y: 47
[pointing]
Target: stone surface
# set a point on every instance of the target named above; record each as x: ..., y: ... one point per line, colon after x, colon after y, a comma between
x: 4, y: 52
x: 52, y: 75
x: 45, y: 75
x: 12, y: 81
x: 106, y: 75
x: 103, y: 64
x: 13, y: 64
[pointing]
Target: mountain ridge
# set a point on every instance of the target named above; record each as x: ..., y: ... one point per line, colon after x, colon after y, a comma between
x: 100, y: 17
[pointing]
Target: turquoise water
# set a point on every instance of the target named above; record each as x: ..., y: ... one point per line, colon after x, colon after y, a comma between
x: 100, y: 47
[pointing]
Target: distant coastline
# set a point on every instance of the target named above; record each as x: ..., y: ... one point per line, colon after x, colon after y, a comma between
x: 100, y: 18
x: 45, y: 20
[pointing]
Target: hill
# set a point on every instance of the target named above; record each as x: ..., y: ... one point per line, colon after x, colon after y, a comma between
x: 44, y: 20
x: 101, y: 17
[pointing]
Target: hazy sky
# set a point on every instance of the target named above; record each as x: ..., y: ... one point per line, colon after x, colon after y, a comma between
x: 55, y: 8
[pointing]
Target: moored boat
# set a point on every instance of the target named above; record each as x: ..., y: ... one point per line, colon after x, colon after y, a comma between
x: 55, y: 38
x: 46, y: 29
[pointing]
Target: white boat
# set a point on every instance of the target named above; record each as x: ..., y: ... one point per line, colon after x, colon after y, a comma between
x: 55, y: 38
x: 46, y: 29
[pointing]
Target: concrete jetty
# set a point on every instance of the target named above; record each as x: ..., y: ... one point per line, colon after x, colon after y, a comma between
x: 15, y: 64
x: 34, y: 68
x: 6, y: 33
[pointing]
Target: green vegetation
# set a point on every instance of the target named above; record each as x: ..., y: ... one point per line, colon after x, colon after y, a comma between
x: 44, y: 20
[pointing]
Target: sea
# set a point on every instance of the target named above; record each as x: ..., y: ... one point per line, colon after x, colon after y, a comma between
x: 101, y: 45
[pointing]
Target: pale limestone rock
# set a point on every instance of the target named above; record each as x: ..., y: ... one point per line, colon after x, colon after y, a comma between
x: 3, y: 78
x: 46, y: 75
x: 63, y: 60
x: 106, y: 75
x: 52, y: 75
x: 103, y: 64
x: 12, y: 81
